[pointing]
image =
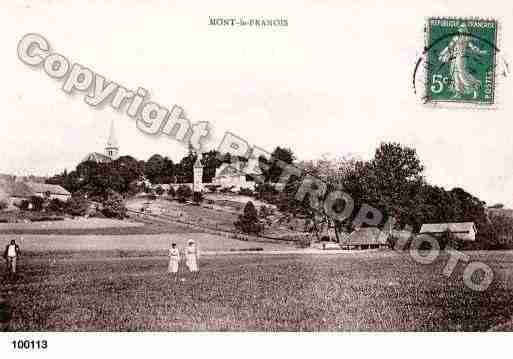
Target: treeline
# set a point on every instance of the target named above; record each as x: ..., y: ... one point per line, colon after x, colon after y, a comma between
x: 392, y: 182
x: 125, y: 174
x: 78, y: 205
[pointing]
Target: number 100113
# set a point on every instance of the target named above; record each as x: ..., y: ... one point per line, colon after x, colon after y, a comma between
x: 29, y: 344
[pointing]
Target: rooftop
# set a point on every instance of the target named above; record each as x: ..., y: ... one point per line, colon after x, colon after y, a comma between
x: 457, y: 227
x: 51, y: 188
x: 366, y: 236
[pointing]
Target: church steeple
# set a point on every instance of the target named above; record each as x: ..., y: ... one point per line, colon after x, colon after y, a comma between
x: 112, y: 148
x: 197, y: 169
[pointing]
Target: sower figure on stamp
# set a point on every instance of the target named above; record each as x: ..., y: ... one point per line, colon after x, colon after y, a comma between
x: 456, y: 54
x: 11, y: 254
x: 191, y: 256
x: 174, y: 260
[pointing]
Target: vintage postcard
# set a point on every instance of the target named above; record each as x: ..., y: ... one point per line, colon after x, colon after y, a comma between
x: 269, y: 167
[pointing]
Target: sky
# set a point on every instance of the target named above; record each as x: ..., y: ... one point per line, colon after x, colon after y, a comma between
x: 337, y: 79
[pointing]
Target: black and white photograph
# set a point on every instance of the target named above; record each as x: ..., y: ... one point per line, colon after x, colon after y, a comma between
x: 208, y: 170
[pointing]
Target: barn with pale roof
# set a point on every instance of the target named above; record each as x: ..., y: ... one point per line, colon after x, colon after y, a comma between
x: 462, y: 230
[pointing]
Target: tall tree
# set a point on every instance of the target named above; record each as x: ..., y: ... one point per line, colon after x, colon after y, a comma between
x: 210, y: 160
x: 279, y: 157
x: 154, y: 167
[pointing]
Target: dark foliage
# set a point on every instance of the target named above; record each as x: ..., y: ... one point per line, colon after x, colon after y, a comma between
x: 77, y: 205
x: 183, y: 193
x: 246, y: 192
x: 248, y: 222
x: 197, y: 197
x: 114, y: 206
x: 56, y: 205
x: 37, y: 203
x: 24, y: 205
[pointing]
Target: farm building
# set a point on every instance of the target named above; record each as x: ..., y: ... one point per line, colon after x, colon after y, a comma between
x: 15, y: 191
x: 50, y: 190
x: 365, y: 238
x: 233, y: 175
x: 464, y: 230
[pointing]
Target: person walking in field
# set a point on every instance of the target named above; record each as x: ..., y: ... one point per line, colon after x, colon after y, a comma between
x: 191, y: 256
x: 11, y: 254
x: 174, y: 260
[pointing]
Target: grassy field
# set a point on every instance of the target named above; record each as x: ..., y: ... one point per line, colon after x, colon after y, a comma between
x: 127, y: 245
x: 149, y: 227
x: 354, y: 291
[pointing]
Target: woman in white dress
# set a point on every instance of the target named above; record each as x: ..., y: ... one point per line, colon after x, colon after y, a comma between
x: 191, y: 256
x: 174, y: 259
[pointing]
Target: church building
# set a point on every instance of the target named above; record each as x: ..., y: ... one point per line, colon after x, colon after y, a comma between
x: 111, y: 149
x: 229, y: 176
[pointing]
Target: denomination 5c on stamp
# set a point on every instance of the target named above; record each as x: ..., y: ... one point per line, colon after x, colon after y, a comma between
x: 461, y: 60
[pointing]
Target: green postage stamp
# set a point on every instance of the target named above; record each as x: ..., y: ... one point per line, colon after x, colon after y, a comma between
x: 461, y: 61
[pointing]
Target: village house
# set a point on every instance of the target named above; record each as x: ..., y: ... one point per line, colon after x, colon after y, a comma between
x: 231, y: 176
x: 49, y: 191
x: 15, y: 191
x: 234, y: 176
x: 465, y: 231
x: 365, y: 238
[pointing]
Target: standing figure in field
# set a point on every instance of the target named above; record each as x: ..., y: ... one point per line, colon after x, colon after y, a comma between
x: 174, y: 260
x: 456, y: 55
x: 191, y: 256
x: 11, y: 254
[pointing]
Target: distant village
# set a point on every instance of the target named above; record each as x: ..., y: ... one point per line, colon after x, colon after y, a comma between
x: 103, y: 178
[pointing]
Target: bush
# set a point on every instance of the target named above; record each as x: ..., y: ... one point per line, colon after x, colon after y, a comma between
x: 248, y: 222
x: 502, y: 237
x: 212, y: 187
x: 134, y: 188
x: 266, y: 211
x: 183, y: 193
x: 304, y: 242
x: 97, y: 214
x: 114, y: 206
x: 56, y: 205
x: 77, y: 205
x: 267, y: 193
x: 246, y: 192
x: 45, y: 218
x: 197, y: 197
x: 24, y: 205
x: 37, y: 203
x: 227, y: 189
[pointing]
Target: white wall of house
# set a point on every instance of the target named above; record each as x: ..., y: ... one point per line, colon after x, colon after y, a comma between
x: 469, y: 236
x: 237, y: 182
x: 62, y: 197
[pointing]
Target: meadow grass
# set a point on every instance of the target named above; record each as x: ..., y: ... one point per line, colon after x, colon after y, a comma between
x: 147, y: 227
x: 381, y: 291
